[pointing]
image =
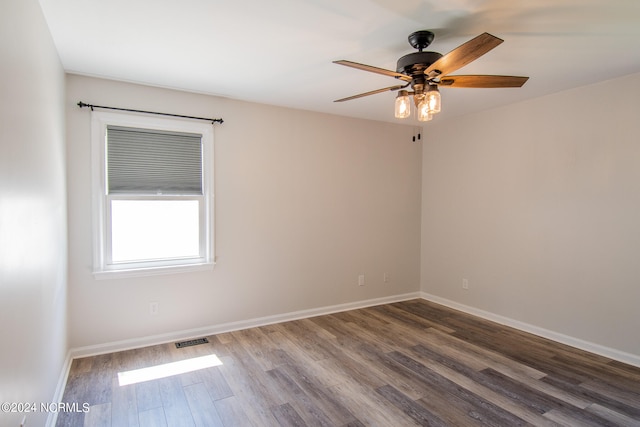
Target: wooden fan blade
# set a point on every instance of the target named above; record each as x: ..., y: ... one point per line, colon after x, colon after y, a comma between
x: 463, y: 54
x: 482, y: 81
x: 373, y: 92
x: 374, y: 69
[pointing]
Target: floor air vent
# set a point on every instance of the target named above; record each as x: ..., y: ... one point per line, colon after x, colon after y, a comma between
x: 191, y: 342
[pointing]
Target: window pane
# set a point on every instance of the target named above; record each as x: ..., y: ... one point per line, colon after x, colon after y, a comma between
x: 144, y: 230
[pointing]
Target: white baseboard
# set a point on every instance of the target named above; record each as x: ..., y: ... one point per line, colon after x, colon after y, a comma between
x: 129, y: 344
x: 59, y: 392
x: 628, y: 358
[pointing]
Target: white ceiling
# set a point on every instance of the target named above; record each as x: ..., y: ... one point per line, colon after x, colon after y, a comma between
x: 280, y: 52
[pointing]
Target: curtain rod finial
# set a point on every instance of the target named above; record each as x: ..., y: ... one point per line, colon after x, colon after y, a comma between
x: 82, y: 104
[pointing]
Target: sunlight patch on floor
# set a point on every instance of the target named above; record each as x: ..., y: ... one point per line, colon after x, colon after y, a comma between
x: 168, y: 369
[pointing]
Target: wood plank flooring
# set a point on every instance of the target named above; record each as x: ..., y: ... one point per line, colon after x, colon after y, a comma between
x: 402, y: 364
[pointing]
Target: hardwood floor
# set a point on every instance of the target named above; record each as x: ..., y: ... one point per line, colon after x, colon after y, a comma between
x: 402, y: 364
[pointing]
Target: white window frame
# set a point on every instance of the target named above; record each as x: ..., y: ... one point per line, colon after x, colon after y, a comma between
x: 102, y: 265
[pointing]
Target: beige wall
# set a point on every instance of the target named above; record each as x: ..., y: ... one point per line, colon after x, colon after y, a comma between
x: 305, y: 202
x: 33, y: 234
x: 538, y: 205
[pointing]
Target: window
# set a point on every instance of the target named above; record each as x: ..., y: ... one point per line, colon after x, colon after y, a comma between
x: 153, y: 201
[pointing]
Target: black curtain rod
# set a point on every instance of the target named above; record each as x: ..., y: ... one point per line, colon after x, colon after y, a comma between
x: 82, y: 104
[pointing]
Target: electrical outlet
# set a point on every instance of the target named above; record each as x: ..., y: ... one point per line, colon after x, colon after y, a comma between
x: 465, y: 284
x: 385, y: 277
x: 361, y: 280
x: 153, y: 308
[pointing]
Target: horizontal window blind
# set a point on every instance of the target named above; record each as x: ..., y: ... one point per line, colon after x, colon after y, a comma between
x: 147, y: 161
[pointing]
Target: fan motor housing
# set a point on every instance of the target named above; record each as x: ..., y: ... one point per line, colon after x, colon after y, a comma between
x: 416, y: 62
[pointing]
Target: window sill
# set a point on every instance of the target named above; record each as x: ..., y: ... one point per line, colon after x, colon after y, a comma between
x: 151, y: 271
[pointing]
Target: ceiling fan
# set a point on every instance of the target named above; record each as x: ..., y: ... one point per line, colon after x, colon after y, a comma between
x: 425, y: 71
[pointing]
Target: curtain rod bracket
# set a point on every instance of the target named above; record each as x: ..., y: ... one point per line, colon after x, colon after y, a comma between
x: 91, y: 106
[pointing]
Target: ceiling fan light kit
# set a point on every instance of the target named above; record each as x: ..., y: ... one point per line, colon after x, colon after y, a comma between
x: 425, y: 71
